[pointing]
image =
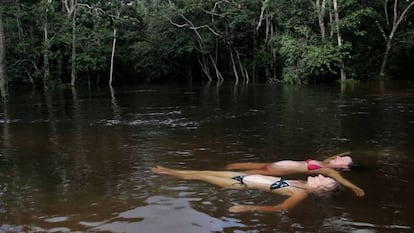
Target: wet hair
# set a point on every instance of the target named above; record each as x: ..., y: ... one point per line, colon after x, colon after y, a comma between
x: 357, y: 166
x: 326, y: 188
x: 341, y: 162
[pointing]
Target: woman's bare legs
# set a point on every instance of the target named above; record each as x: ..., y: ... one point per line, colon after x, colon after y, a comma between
x: 256, y: 168
x: 245, y: 166
x: 219, y: 178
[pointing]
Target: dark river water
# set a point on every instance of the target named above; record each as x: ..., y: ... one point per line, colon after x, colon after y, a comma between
x: 78, y: 161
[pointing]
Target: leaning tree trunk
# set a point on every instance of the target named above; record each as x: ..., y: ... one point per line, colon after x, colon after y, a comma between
x: 385, y: 58
x: 3, y: 78
x: 118, y: 11
x: 112, y: 57
x: 233, y: 64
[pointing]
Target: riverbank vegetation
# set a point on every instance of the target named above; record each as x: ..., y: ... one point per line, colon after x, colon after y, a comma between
x: 48, y: 43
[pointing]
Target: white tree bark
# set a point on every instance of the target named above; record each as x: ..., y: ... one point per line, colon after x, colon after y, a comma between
x: 204, y: 64
x: 320, y: 6
x: 70, y: 6
x: 397, y: 19
x: 73, y: 72
x: 118, y: 11
x: 112, y: 57
x: 336, y: 13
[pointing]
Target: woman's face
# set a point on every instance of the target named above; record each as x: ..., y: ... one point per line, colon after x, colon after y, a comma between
x: 341, y: 162
x: 320, y: 183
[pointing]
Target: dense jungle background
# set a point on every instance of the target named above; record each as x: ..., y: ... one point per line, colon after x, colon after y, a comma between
x: 48, y: 43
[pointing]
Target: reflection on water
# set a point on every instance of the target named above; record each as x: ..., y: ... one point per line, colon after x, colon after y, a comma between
x: 174, y: 214
x: 347, y: 225
x: 76, y: 161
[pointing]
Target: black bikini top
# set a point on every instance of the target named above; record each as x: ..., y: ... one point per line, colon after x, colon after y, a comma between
x: 279, y: 184
x: 276, y: 185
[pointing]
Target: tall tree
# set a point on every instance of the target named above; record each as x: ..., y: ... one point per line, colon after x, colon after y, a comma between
x: 3, y: 77
x: 46, y: 43
x: 398, y: 13
x: 339, y: 38
x: 205, y: 34
x: 70, y: 6
x: 118, y: 8
x: 321, y: 9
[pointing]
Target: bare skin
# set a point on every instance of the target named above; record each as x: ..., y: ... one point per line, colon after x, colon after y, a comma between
x: 289, y: 167
x: 297, y: 190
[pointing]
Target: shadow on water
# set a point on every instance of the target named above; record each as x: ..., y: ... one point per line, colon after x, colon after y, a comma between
x: 76, y: 161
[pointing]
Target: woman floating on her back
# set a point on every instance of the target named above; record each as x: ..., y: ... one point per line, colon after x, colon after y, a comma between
x: 327, y: 167
x: 296, y: 190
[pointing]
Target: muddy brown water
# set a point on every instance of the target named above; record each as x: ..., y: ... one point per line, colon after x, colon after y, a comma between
x: 78, y: 161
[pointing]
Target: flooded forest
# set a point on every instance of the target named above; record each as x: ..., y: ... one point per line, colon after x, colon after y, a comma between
x: 49, y: 43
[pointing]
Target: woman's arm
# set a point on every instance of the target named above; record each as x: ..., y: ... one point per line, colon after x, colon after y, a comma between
x: 289, y: 203
x: 340, y: 179
x: 334, y: 156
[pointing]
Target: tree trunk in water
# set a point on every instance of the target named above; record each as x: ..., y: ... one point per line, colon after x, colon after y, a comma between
x: 3, y: 78
x: 342, y: 64
x: 73, y: 72
x: 204, y: 66
x: 3, y: 85
x: 112, y: 57
x: 233, y: 63
x: 397, y: 19
x: 385, y: 58
x: 219, y: 76
x: 46, y: 73
x: 70, y: 7
x: 204, y: 63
